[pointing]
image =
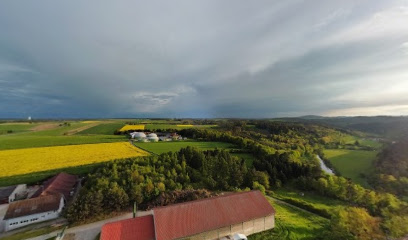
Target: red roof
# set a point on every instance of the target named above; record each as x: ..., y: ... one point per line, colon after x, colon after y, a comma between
x: 190, y: 218
x: 62, y: 183
x: 33, y: 206
x: 140, y: 228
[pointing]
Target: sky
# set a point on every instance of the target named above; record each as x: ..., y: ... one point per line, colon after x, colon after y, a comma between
x: 203, y: 59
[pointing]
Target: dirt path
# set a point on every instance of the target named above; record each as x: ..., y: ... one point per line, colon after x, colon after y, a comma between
x: 80, y: 129
x: 45, y: 126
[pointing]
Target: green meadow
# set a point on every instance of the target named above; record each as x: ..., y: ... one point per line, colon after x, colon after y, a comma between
x: 103, y: 129
x: 163, y: 147
x: 352, y: 163
x: 290, y: 223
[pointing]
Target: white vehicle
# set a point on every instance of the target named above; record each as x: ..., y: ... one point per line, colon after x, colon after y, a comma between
x: 236, y: 236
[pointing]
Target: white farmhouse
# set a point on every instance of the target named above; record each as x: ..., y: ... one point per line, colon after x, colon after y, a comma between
x: 12, y: 193
x: 29, y: 211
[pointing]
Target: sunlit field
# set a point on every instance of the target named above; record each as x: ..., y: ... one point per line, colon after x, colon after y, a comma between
x: 132, y: 127
x: 30, y: 160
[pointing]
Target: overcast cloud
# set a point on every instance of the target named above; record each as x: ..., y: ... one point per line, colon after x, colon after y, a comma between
x: 203, y: 58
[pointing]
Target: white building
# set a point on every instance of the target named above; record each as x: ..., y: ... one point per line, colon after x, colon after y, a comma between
x: 152, y: 137
x: 138, y: 135
x: 12, y: 193
x: 29, y: 211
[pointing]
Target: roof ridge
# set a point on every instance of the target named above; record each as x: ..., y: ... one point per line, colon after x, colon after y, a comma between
x: 228, y: 194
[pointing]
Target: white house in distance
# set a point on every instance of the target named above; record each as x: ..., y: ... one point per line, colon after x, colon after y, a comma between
x: 12, y: 193
x: 25, y: 212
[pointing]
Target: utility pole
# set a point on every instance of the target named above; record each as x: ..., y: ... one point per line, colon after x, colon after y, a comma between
x: 134, y: 209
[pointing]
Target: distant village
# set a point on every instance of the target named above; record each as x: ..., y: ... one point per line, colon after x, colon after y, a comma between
x: 155, y: 137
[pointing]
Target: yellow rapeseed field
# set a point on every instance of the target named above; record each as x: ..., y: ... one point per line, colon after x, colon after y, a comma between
x: 132, y: 127
x: 90, y: 121
x: 29, y: 160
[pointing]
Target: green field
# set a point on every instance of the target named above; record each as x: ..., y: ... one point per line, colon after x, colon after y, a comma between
x: 249, y: 158
x: 291, y: 223
x: 15, y: 127
x: 38, y: 177
x: 317, y: 201
x: 104, y: 129
x: 163, y: 147
x: 173, y: 126
x: 352, y: 163
x: 54, y: 137
x: 18, y: 141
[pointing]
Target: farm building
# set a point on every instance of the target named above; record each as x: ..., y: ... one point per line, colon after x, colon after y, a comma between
x: 29, y: 211
x: 212, y: 218
x: 12, y: 193
x: 62, y: 183
x: 138, y: 135
x: 152, y: 137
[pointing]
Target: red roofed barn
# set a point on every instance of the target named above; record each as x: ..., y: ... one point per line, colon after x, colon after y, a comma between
x: 211, y: 218
x: 62, y: 183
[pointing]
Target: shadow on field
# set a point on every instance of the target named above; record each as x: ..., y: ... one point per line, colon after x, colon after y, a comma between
x: 38, y: 177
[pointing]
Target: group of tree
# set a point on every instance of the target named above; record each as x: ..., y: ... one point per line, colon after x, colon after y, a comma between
x: 392, y: 168
x: 116, y: 185
x: 390, y: 212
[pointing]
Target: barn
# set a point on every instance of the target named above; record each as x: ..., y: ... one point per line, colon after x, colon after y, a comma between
x: 29, y: 211
x: 211, y: 218
x: 61, y: 183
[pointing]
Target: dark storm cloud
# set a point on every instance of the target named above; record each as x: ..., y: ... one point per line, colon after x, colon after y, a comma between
x: 203, y: 58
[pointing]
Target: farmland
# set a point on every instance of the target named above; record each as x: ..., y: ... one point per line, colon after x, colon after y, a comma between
x: 162, y: 147
x: 132, y: 127
x: 8, y: 128
x: 352, y: 163
x: 31, y: 160
x: 104, y: 129
x: 290, y: 223
x: 175, y: 126
x: 54, y: 134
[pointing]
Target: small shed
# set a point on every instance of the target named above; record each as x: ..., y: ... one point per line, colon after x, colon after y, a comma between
x: 12, y: 193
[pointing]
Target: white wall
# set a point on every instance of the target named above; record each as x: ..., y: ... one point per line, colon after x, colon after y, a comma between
x: 20, y: 189
x: 14, y: 223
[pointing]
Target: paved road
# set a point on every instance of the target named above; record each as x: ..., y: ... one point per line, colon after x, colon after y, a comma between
x: 89, y: 231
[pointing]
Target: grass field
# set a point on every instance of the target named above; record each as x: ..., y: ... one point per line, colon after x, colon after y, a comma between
x: 152, y: 127
x: 15, y: 127
x: 352, y: 163
x: 290, y: 223
x: 104, y: 129
x: 319, y: 202
x: 18, y: 141
x: 31, y: 160
x: 56, y: 136
x: 249, y: 158
x: 163, y: 147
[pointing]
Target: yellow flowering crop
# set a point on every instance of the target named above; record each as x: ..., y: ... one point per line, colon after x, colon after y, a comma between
x: 29, y: 160
x: 90, y: 121
x: 132, y: 127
